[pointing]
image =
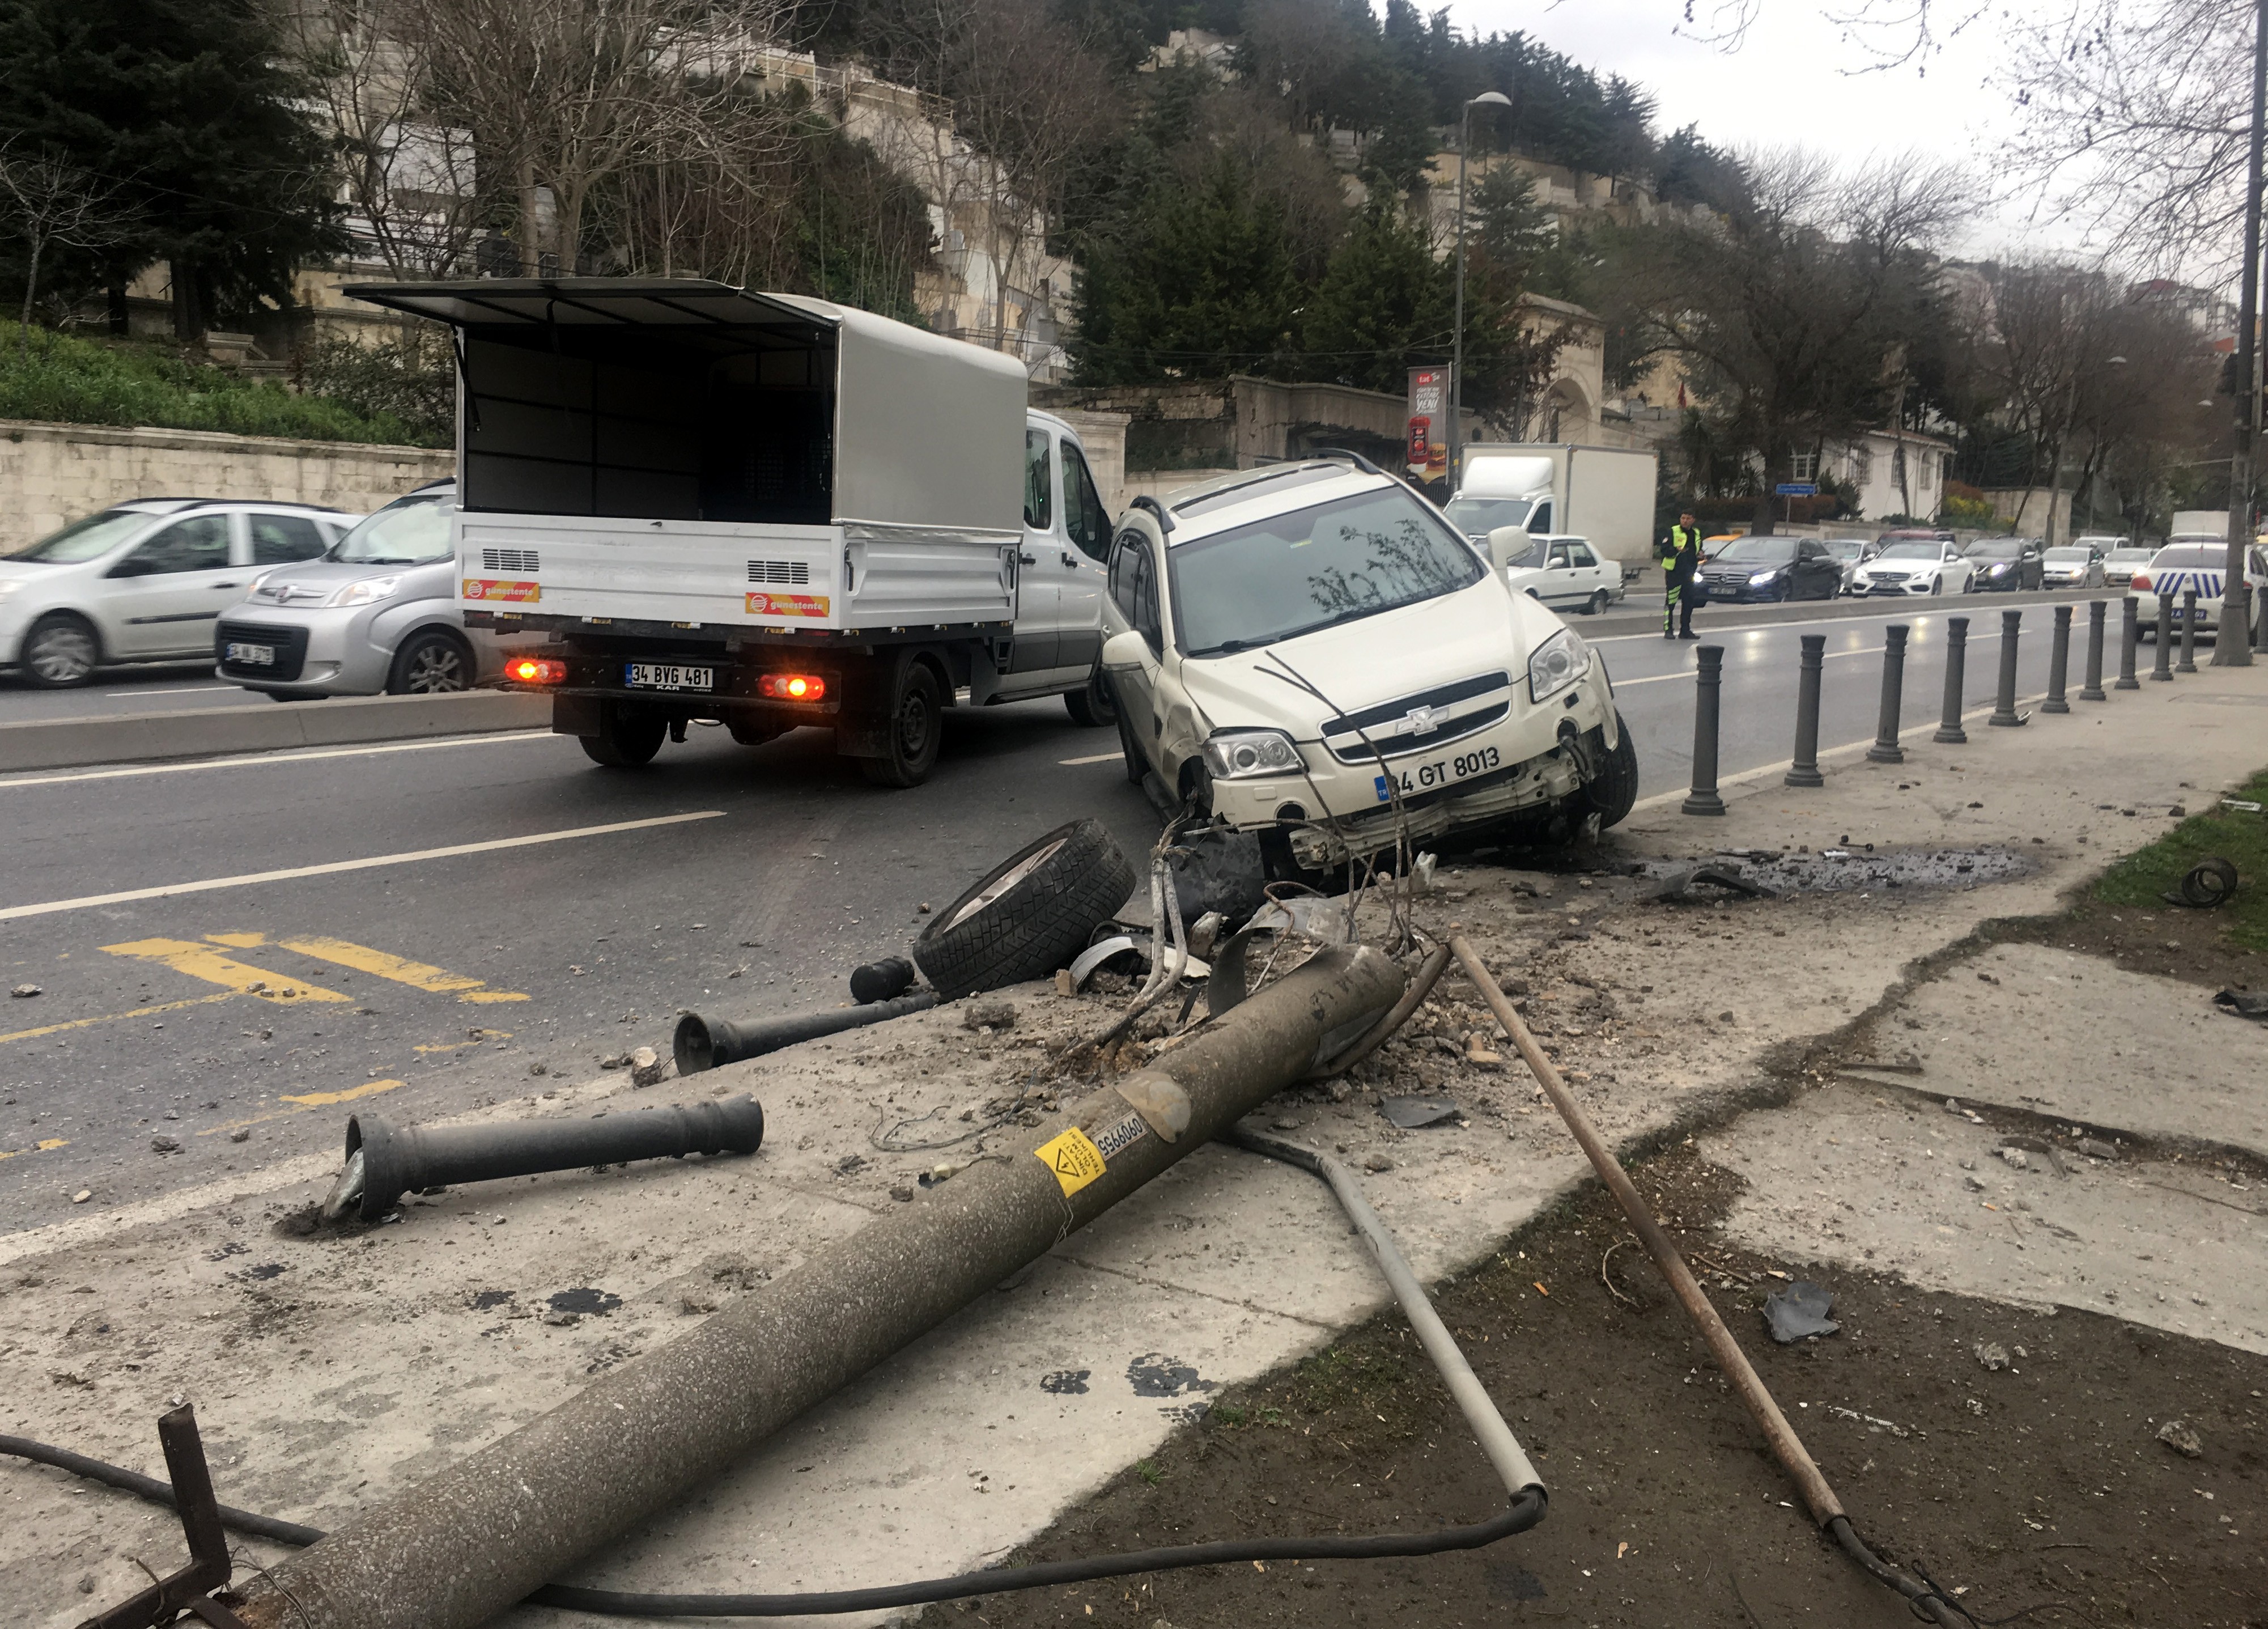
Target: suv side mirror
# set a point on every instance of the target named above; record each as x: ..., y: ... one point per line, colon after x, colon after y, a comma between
x: 1124, y: 651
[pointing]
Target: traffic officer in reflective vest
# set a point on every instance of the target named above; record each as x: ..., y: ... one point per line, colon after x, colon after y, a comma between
x: 1681, y: 562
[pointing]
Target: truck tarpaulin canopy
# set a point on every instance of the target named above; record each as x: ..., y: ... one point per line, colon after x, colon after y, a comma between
x: 677, y: 399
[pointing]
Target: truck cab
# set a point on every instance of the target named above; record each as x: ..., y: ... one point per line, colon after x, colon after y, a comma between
x: 761, y: 511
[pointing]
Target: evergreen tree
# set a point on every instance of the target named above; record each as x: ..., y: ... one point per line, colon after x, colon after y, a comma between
x: 1384, y: 306
x: 184, y: 108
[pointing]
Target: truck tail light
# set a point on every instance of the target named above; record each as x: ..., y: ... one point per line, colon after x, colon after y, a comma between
x: 536, y: 670
x: 2140, y: 582
x: 792, y: 686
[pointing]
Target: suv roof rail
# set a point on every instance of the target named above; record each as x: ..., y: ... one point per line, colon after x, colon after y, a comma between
x: 1165, y: 521
x: 1348, y: 455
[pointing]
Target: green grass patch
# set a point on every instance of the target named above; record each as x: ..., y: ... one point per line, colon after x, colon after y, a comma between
x: 65, y: 378
x: 2238, y: 837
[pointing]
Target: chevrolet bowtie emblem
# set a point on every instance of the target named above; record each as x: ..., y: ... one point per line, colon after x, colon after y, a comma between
x: 1417, y: 721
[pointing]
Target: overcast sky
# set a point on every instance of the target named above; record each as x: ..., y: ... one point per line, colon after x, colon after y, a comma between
x: 1794, y: 79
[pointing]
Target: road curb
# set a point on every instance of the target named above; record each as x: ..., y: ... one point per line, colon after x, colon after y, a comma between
x: 140, y: 737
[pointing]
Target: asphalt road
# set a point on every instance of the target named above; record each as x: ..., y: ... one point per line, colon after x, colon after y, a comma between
x: 157, y: 687
x: 415, y: 983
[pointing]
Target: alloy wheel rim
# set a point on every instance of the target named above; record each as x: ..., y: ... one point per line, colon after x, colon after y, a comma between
x: 434, y: 670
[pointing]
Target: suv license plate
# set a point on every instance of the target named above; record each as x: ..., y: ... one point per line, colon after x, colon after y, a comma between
x: 251, y: 655
x: 1441, y: 772
x: 667, y: 676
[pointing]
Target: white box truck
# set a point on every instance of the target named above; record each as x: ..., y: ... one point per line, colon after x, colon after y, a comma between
x: 762, y: 511
x: 1602, y: 494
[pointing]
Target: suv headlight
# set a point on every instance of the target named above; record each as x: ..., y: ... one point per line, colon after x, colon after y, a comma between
x: 1238, y: 754
x: 369, y: 591
x: 1557, y: 663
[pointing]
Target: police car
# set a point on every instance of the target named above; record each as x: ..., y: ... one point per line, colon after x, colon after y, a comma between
x: 2200, y: 565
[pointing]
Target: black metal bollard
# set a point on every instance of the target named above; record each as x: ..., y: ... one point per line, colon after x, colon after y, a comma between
x: 2187, y: 663
x: 1805, y: 771
x: 1709, y: 680
x: 2130, y: 638
x: 2161, y: 670
x: 2004, y: 705
x: 2092, y: 691
x: 1956, y: 682
x: 1885, y: 748
x: 2058, y: 662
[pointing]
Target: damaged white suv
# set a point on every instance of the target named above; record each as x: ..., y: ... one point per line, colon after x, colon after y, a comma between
x: 1311, y: 651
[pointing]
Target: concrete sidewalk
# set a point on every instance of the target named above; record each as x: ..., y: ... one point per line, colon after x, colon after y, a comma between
x: 333, y: 1371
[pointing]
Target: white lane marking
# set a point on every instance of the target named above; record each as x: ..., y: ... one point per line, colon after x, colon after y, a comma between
x: 274, y: 757
x: 333, y: 867
x: 193, y: 689
x: 1624, y: 684
x: 1100, y: 757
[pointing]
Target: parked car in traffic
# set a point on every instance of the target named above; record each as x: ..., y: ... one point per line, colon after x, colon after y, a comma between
x: 375, y: 614
x: 1772, y: 568
x: 2198, y: 564
x: 1315, y: 656
x: 1850, y: 553
x: 1918, y: 563
x: 2120, y: 565
x: 2007, y: 563
x: 144, y: 581
x: 1566, y: 574
x: 2072, y: 565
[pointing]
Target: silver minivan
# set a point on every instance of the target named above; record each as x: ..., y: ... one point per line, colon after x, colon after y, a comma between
x: 143, y: 580
x: 376, y: 613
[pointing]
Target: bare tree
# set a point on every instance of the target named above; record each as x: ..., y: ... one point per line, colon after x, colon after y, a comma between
x: 411, y: 174
x: 53, y: 204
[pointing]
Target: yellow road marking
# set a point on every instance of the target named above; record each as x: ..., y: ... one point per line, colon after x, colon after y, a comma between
x: 238, y: 941
x: 401, y: 970
x: 324, y: 1100
x: 195, y: 961
x: 42, y: 1147
x: 108, y: 1018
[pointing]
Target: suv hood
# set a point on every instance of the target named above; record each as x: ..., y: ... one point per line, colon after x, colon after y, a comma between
x: 1483, y: 629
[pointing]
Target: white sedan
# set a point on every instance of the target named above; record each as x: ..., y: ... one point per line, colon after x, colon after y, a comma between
x: 1567, y: 574
x: 1917, y: 566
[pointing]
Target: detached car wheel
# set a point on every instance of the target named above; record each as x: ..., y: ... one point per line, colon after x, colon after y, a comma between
x: 60, y: 652
x: 626, y: 739
x: 430, y: 663
x: 1614, y: 794
x: 1027, y: 916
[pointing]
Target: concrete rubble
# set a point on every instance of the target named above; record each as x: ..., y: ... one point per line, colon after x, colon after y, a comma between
x: 332, y: 1368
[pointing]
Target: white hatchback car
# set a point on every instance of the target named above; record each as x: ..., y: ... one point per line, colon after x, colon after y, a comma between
x: 144, y: 581
x: 1908, y: 565
x: 1312, y: 653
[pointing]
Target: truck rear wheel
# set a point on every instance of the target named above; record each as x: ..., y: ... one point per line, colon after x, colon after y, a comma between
x: 913, y: 730
x: 626, y: 739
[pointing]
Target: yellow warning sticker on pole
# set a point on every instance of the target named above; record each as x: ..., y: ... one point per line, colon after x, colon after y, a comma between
x: 1074, y: 1158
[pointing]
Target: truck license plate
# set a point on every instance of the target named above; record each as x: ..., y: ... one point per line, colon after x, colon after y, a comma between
x: 251, y: 655
x: 667, y: 676
x: 1440, y: 772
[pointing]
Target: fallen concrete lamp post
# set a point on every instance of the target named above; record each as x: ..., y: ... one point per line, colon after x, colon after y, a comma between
x: 701, y: 1042
x: 385, y: 1161
x: 486, y: 1532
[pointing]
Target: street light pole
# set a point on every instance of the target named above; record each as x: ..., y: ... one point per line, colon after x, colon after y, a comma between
x: 2236, y: 651
x: 1486, y: 98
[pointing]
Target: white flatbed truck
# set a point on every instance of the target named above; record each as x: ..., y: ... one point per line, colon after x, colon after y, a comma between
x: 764, y: 511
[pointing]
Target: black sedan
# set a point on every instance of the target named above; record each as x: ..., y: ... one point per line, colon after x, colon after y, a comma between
x: 1772, y: 568
x: 2007, y: 562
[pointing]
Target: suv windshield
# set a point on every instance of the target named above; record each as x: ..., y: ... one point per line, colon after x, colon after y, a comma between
x: 1277, y: 579
x: 1757, y: 551
x: 1915, y: 550
x: 409, y: 531
x: 85, y: 540
x: 1480, y: 516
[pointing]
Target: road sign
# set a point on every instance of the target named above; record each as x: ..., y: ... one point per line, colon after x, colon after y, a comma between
x: 1798, y: 489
